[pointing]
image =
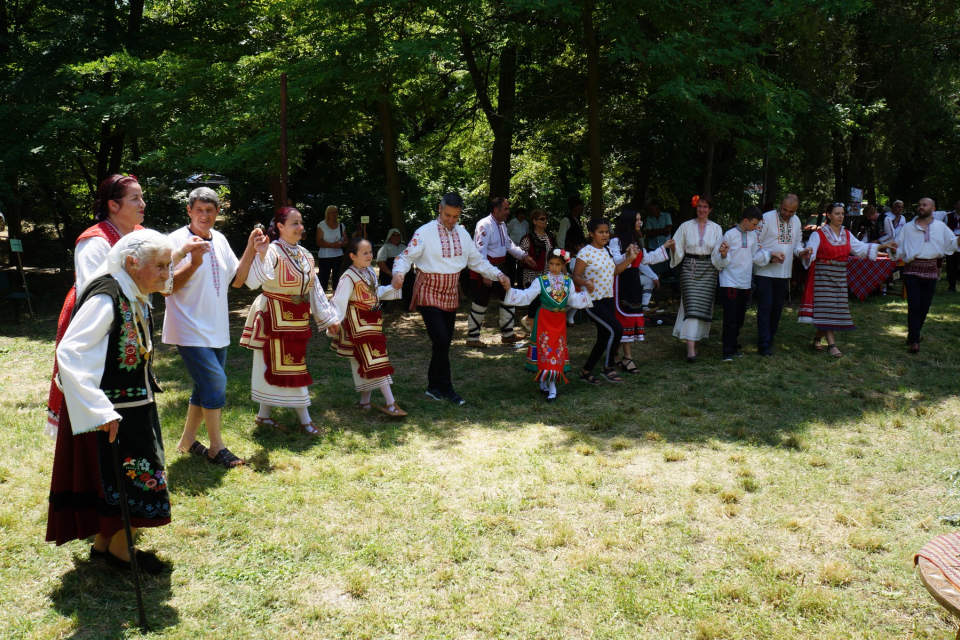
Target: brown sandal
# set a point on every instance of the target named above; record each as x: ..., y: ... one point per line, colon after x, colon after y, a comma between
x: 363, y: 407
x: 311, y: 429
x: 267, y: 422
x: 396, y: 413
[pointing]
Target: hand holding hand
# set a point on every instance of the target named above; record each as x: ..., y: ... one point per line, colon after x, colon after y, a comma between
x: 724, y: 249
x: 893, y: 245
x: 656, y: 285
x: 806, y: 253
x: 670, y: 244
x: 588, y: 285
x: 111, y: 428
x: 397, y: 280
x: 334, y: 328
x: 504, y: 281
x: 777, y: 257
x: 529, y: 262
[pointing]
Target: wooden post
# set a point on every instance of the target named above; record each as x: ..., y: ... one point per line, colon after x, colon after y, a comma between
x: 283, y: 140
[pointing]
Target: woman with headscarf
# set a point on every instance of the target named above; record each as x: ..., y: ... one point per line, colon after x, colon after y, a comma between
x: 278, y: 324
x: 105, y: 370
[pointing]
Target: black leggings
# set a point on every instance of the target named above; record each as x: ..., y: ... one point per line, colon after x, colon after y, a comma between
x: 327, y: 267
x: 609, y: 333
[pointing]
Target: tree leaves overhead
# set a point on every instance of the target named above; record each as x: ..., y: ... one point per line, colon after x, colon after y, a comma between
x: 393, y: 102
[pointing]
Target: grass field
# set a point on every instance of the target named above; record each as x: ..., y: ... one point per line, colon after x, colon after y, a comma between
x: 768, y: 498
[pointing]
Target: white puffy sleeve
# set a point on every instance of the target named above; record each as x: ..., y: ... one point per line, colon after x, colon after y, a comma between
x: 324, y: 312
x: 579, y: 299
x: 262, y: 269
x: 949, y: 241
x: 679, y: 248
x: 814, y: 243
x: 80, y: 357
x: 719, y: 261
x: 521, y: 297
x: 341, y: 296
x: 87, y: 258
x: 409, y: 256
x: 863, y: 249
x: 656, y: 256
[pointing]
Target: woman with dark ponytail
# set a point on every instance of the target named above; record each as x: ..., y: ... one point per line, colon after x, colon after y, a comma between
x: 278, y: 324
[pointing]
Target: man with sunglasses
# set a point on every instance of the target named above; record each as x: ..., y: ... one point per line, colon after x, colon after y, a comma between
x: 779, y: 239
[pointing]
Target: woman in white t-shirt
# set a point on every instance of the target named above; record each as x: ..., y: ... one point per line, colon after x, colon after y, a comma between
x: 331, y: 238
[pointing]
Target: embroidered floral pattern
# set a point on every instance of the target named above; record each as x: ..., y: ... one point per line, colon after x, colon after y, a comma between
x: 784, y: 231
x: 143, y: 477
x: 215, y: 268
x: 129, y: 341
x: 449, y: 241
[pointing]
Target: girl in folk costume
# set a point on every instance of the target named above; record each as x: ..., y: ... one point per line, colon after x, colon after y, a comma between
x: 628, y: 293
x: 595, y: 263
x: 360, y: 338
x: 547, y: 352
x: 695, y: 240
x: 278, y: 324
x: 825, y: 303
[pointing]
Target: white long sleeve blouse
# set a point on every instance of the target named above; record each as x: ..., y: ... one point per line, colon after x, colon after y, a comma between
x: 857, y: 248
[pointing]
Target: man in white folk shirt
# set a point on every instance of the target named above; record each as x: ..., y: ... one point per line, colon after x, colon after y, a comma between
x: 197, y: 319
x: 779, y: 239
x: 920, y: 243
x: 441, y: 249
x: 493, y: 243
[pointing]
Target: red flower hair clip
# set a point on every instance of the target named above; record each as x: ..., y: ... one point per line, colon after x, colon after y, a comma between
x: 693, y: 203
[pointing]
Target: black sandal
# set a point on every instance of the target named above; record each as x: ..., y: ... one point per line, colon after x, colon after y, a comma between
x: 197, y: 449
x: 589, y: 378
x: 838, y: 354
x: 632, y: 368
x: 610, y: 374
x: 225, y: 459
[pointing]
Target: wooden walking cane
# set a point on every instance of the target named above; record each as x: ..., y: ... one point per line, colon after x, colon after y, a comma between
x: 125, y: 512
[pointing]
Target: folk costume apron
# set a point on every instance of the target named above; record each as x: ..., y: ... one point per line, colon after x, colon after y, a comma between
x: 361, y: 332
x: 825, y: 302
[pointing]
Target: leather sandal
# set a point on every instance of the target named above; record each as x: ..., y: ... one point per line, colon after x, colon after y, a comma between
x: 267, y: 422
x: 393, y: 410
x: 838, y: 354
x: 196, y: 449
x: 631, y: 367
x: 226, y: 459
x: 363, y: 407
x: 311, y: 429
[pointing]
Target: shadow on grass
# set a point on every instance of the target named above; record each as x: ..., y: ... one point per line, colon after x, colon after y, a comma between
x: 755, y: 400
x: 104, y: 604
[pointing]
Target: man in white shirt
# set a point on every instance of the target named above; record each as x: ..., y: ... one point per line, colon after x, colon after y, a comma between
x: 920, y: 243
x: 493, y: 243
x: 779, y: 239
x: 197, y: 319
x: 734, y: 256
x: 441, y: 249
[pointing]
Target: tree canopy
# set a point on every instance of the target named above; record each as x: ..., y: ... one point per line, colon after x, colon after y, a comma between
x: 393, y: 103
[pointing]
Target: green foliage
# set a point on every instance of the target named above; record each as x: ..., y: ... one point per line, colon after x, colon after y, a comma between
x: 694, y: 98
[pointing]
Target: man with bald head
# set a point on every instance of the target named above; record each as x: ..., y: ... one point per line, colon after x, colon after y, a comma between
x: 920, y: 243
x: 779, y: 238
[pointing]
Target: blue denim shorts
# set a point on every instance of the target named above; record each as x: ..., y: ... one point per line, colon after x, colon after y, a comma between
x: 207, y: 367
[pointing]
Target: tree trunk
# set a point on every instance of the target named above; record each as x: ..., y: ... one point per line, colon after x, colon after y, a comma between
x: 116, y: 151
x: 502, y: 125
x: 136, y: 17
x: 499, y: 118
x: 14, y: 209
x: 839, y: 177
x: 394, y: 193
x: 274, y: 181
x: 641, y: 180
x: 705, y: 187
x: 769, y: 193
x: 593, y: 112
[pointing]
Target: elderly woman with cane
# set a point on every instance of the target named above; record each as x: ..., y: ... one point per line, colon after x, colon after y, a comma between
x: 105, y: 360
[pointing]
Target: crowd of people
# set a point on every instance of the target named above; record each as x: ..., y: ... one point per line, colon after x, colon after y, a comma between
x: 102, y: 392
